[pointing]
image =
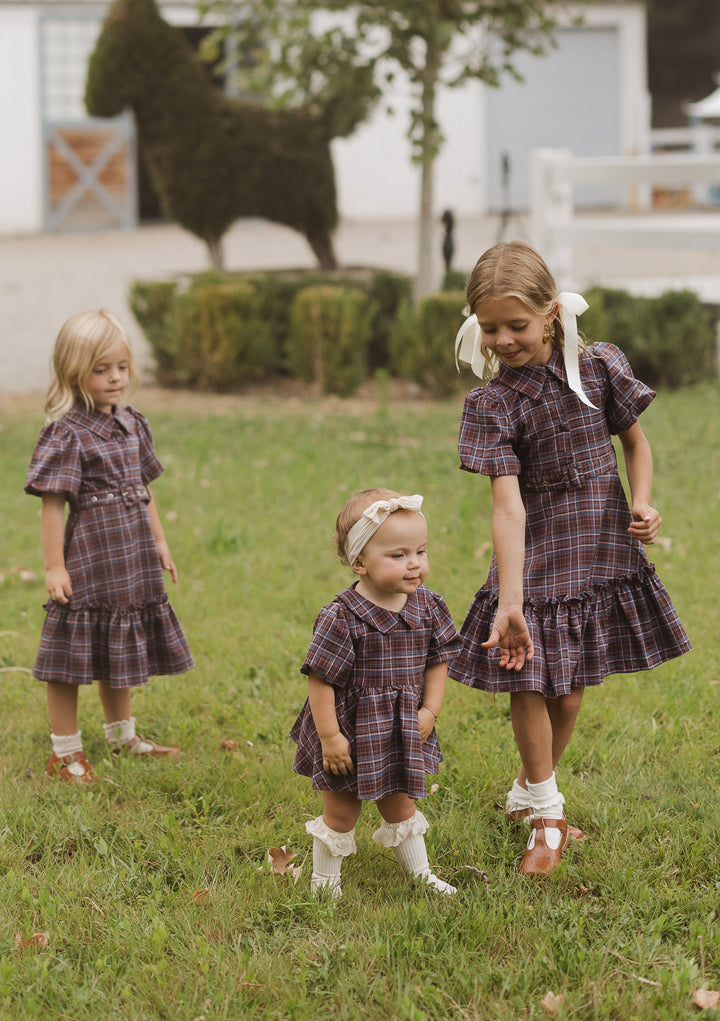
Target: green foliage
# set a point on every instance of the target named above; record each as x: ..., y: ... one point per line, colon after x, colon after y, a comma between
x: 669, y: 340
x: 455, y: 280
x: 224, y: 330
x: 330, y: 331
x: 422, y: 347
x: 212, y: 158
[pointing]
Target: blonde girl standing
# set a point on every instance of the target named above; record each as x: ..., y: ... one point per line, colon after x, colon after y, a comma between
x: 376, y: 669
x: 571, y: 596
x: 108, y: 618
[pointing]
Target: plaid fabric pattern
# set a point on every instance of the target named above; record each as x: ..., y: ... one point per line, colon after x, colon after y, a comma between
x: 376, y: 660
x: 593, y: 602
x: 118, y: 626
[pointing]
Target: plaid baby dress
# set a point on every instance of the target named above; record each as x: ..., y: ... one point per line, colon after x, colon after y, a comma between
x: 593, y: 603
x: 118, y: 626
x: 376, y: 661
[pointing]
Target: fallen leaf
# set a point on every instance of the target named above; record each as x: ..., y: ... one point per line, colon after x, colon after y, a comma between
x: 279, y: 858
x: 38, y: 939
x: 229, y: 746
x: 294, y: 871
x: 23, y: 573
x: 706, y: 999
x: 482, y: 550
x: 551, y: 1003
x: 434, y: 788
x: 201, y: 896
x: 664, y: 542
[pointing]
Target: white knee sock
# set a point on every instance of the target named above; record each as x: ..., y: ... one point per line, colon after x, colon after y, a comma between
x: 547, y: 803
x: 408, y: 843
x: 329, y: 849
x: 122, y: 732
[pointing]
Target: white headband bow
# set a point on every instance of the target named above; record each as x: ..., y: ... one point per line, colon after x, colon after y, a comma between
x: 468, y: 347
x: 372, y: 517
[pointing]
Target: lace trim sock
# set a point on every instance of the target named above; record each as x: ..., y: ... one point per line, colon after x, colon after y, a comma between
x: 408, y: 843
x: 329, y: 849
x: 66, y: 744
x: 517, y: 799
x: 121, y: 733
x: 547, y: 803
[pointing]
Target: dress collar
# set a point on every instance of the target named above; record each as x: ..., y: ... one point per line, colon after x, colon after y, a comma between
x: 531, y: 379
x: 377, y: 616
x: 99, y: 422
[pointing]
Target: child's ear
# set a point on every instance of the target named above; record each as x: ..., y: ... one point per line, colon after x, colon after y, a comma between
x: 358, y: 567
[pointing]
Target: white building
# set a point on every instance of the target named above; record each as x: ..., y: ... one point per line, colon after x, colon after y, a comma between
x: 64, y: 171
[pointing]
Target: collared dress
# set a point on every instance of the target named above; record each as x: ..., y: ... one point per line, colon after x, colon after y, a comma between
x: 376, y: 660
x: 118, y: 626
x: 593, y: 602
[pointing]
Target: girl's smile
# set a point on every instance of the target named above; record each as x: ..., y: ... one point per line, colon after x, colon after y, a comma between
x: 514, y: 333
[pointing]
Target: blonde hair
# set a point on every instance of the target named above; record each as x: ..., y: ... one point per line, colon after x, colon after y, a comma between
x: 512, y: 269
x: 351, y: 514
x: 83, y: 339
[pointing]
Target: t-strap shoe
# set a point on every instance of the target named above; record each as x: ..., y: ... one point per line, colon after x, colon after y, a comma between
x: 540, y: 859
x: 524, y: 815
x: 73, y: 768
x: 141, y: 746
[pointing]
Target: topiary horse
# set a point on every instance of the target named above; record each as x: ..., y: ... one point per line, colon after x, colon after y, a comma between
x: 212, y: 159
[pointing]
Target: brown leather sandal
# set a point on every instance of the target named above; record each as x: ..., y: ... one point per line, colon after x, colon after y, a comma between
x: 58, y: 768
x: 541, y: 860
x: 155, y: 749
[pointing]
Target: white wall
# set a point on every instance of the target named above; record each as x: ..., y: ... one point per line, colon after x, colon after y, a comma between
x: 20, y: 123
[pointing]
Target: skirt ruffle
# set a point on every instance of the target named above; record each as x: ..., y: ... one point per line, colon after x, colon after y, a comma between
x: 622, y: 626
x: 122, y: 647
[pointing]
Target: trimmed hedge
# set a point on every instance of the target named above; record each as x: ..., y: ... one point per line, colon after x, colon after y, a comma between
x: 422, y: 342
x: 330, y: 330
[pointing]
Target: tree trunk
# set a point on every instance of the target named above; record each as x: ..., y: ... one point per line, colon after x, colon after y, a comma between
x: 425, y: 281
x: 215, y: 250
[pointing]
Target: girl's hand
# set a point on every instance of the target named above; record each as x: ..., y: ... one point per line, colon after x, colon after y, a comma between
x: 57, y: 584
x: 645, y: 523
x: 166, y: 560
x: 336, y: 755
x: 426, y: 723
x: 510, y: 632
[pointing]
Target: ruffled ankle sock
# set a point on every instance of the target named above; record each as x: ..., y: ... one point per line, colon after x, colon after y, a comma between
x: 517, y: 799
x: 68, y: 744
x: 329, y: 849
x: 547, y: 803
x: 122, y: 734
x: 408, y: 843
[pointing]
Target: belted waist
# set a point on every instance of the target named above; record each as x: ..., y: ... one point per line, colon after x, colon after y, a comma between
x: 569, y: 476
x: 128, y: 495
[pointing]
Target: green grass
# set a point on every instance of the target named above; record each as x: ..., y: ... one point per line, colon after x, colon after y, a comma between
x: 628, y: 926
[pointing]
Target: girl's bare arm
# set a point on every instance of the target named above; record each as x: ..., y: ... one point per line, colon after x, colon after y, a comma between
x: 52, y: 530
x: 162, y: 547
x: 646, y: 521
x: 335, y: 746
x: 433, y: 695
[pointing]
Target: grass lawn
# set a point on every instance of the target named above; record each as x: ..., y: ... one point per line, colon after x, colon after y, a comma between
x: 153, y: 886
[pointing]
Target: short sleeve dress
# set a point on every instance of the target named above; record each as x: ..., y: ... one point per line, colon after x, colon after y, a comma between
x: 593, y: 603
x: 376, y: 660
x: 118, y: 626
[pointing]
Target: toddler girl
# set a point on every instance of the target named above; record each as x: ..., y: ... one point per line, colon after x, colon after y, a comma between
x: 570, y: 597
x: 377, y: 668
x: 108, y: 617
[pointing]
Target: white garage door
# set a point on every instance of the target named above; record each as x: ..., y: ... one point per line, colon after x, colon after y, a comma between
x: 568, y: 100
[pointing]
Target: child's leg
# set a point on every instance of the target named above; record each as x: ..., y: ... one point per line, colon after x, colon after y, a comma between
x: 403, y: 829
x: 333, y: 839
x: 119, y: 724
x: 68, y: 761
x: 532, y: 726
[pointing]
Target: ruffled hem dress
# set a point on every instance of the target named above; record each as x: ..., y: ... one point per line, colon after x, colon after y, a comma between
x: 118, y: 626
x: 376, y: 660
x: 593, y: 602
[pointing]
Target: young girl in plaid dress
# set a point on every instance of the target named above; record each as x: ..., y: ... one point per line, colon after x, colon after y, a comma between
x: 376, y: 668
x: 108, y: 617
x: 570, y: 596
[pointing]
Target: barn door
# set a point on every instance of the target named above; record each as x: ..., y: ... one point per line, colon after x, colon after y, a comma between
x: 90, y: 174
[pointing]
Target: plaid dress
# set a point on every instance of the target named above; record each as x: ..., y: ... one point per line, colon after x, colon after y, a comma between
x: 376, y: 661
x: 118, y: 626
x: 593, y: 602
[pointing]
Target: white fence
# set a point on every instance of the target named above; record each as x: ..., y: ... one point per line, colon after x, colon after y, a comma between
x: 557, y: 229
